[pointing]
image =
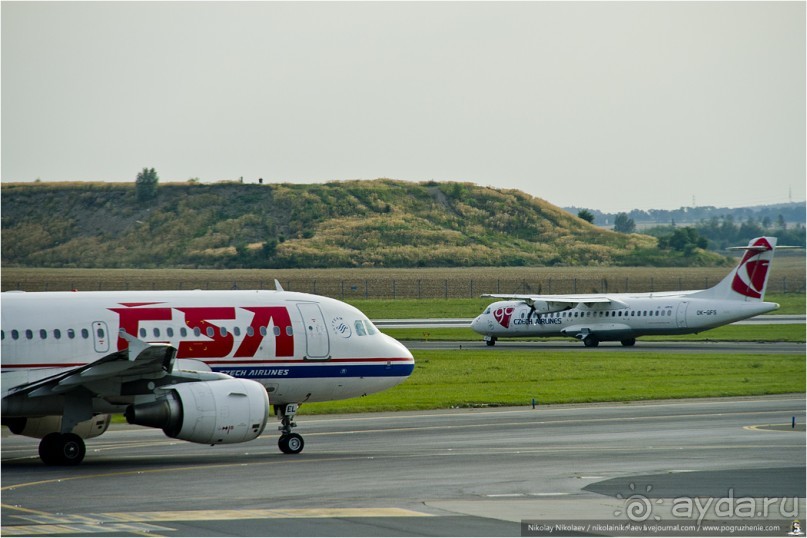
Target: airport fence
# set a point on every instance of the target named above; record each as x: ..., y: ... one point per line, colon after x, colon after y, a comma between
x: 403, y: 288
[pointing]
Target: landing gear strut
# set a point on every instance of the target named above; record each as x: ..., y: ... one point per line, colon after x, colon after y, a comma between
x: 62, y: 449
x: 289, y: 443
x: 490, y: 340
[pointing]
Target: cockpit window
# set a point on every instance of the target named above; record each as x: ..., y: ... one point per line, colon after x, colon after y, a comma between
x: 364, y: 327
x: 487, y: 310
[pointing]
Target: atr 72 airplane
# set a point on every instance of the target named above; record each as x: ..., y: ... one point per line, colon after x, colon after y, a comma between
x: 204, y: 366
x: 622, y: 317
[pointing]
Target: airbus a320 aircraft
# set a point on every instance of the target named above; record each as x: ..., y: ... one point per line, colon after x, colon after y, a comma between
x: 204, y: 366
x: 623, y: 317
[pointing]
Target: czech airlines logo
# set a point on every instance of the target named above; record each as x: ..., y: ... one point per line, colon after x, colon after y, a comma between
x: 749, y: 280
x: 503, y: 316
x: 341, y: 328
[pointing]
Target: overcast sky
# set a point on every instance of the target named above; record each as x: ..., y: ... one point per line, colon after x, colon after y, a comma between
x: 603, y: 105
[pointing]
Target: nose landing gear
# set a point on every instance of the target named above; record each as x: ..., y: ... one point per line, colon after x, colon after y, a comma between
x: 289, y: 443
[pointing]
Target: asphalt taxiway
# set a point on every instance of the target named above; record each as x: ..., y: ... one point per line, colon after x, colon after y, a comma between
x: 466, y: 472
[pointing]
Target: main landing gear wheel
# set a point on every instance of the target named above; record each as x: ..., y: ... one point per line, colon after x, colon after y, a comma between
x: 291, y: 443
x: 627, y: 342
x: 62, y: 449
x: 591, y: 341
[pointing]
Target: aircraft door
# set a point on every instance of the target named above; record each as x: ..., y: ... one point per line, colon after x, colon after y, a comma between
x: 100, y: 337
x: 681, y: 314
x: 317, y: 342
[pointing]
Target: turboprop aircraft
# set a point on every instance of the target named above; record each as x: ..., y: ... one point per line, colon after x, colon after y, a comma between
x: 204, y: 366
x: 623, y: 317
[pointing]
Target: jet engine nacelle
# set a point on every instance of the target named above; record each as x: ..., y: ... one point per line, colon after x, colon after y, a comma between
x: 39, y: 427
x: 209, y: 412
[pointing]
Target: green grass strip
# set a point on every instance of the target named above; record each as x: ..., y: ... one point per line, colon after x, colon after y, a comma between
x: 481, y: 378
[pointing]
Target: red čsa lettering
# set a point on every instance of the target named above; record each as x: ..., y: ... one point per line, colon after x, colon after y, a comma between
x: 217, y: 343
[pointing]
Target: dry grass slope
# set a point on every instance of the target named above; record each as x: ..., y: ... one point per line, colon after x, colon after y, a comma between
x: 350, y: 224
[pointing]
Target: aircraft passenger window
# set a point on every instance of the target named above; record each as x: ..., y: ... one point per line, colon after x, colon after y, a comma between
x: 276, y: 330
x: 669, y: 312
x: 250, y: 331
x: 169, y: 332
x: 71, y: 334
x: 183, y: 332
x: 197, y: 331
x: 43, y: 334
x: 57, y: 334
x: 263, y: 331
x: 359, y: 328
x: 100, y: 332
x: 156, y: 332
x: 15, y: 334
x: 289, y: 331
x: 2, y: 335
x: 237, y: 331
x: 223, y: 331
x: 142, y: 333
x: 85, y: 333
x: 210, y: 332
x: 29, y: 334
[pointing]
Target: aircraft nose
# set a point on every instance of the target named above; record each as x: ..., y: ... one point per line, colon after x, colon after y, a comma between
x: 476, y: 324
x: 397, y: 350
x: 400, y: 356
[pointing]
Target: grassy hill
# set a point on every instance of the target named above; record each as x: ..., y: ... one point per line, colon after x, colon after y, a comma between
x: 379, y: 223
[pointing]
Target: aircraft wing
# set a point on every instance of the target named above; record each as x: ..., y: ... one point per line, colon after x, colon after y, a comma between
x: 555, y: 303
x: 140, y: 361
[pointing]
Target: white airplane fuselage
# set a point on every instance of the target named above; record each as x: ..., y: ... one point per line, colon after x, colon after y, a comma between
x: 300, y: 347
x: 641, y: 315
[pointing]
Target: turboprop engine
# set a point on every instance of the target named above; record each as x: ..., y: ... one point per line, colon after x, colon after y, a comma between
x: 209, y: 412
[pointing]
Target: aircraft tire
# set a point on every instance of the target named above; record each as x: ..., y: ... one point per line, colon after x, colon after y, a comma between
x: 291, y: 443
x: 62, y: 449
x: 491, y: 342
x: 72, y: 449
x: 591, y: 341
x: 628, y: 342
x: 49, y: 448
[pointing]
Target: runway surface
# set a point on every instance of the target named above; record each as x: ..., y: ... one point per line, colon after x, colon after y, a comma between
x: 473, y: 472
